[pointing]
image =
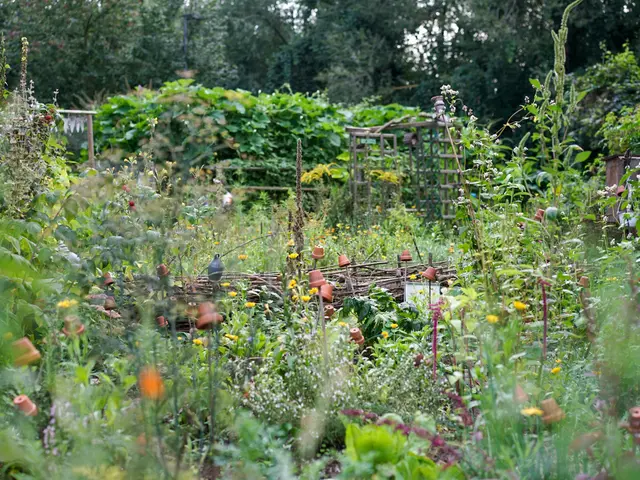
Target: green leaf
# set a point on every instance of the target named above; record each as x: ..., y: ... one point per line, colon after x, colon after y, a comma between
x: 582, y: 156
x: 535, y: 83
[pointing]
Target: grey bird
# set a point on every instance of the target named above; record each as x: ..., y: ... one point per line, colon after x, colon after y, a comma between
x: 215, y: 269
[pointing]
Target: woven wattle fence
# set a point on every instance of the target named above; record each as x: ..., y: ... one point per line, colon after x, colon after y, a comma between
x: 356, y: 281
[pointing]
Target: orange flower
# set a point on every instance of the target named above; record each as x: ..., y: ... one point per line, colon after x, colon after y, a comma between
x: 151, y: 384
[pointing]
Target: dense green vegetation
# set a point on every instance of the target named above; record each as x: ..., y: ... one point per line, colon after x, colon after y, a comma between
x: 516, y: 358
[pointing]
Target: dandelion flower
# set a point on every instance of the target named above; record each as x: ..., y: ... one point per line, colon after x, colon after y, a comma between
x: 216, y: 243
x: 385, y: 334
x: 67, y: 303
x: 250, y: 304
x: 243, y: 256
x: 294, y: 298
x: 233, y: 338
x: 151, y: 384
x: 293, y: 256
x: 343, y: 324
x: 313, y: 291
x: 412, y: 277
x: 225, y: 284
x: 520, y: 306
x: 555, y: 370
x: 531, y: 411
x: 492, y: 318
x: 197, y: 341
x: 305, y: 298
x: 394, y: 325
x: 558, y: 360
x: 290, y: 243
x: 233, y: 294
x: 292, y: 284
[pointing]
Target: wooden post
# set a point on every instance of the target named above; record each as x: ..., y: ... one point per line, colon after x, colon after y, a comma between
x: 90, y: 150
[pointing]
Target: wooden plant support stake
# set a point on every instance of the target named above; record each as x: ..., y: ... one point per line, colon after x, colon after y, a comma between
x: 349, y: 282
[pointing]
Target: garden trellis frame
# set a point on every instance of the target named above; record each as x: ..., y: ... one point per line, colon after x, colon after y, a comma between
x: 431, y: 169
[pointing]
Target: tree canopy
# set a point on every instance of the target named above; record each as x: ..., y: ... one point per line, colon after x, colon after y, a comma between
x: 398, y: 50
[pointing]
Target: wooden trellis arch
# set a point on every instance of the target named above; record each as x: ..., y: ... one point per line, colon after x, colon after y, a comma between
x: 425, y: 158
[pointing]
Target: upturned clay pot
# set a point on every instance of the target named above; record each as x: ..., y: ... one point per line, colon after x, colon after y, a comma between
x: 343, y: 261
x: 356, y: 335
x: 329, y: 311
x: 584, y: 282
x: 539, y: 215
x: 109, y: 303
x: 25, y: 405
x: 72, y: 326
x: 108, y: 279
x: 406, y: 256
x: 430, y: 274
x: 326, y: 291
x: 318, y: 253
x: 162, y: 270
x: 552, y: 412
x: 208, y: 317
x: 316, y: 279
x: 24, y: 352
x: 161, y: 321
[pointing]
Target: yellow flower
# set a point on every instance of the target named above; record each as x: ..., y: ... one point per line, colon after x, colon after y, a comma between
x: 216, y: 243
x: 313, y: 291
x: 250, y: 304
x: 197, y: 341
x: 293, y: 256
x: 305, y: 298
x: 290, y: 243
x: 558, y: 360
x: 531, y: 411
x: 451, y: 248
x: 269, y: 232
x: 412, y: 277
x: 492, y: 318
x: 233, y: 294
x: 394, y: 325
x: 233, y: 338
x: 555, y: 370
x: 343, y: 324
x: 67, y: 303
x: 243, y: 256
x: 519, y: 306
x: 225, y: 284
x: 292, y: 284
x: 385, y: 334
x: 294, y: 298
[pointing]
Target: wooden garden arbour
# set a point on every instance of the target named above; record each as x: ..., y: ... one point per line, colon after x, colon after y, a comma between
x: 431, y: 167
